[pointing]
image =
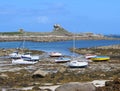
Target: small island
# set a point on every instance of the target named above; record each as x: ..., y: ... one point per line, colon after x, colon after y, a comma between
x: 57, y: 34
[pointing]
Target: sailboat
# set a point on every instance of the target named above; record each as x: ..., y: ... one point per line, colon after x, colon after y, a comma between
x: 22, y: 61
x: 25, y: 58
x: 15, y: 55
x: 28, y: 56
x: 77, y: 62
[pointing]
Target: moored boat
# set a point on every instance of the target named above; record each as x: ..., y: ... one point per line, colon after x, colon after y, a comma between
x: 100, y: 58
x: 78, y: 64
x: 89, y: 56
x: 62, y: 60
x: 55, y: 54
x: 22, y: 61
x: 28, y: 56
x: 15, y: 55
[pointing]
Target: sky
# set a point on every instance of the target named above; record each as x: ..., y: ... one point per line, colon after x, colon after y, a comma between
x: 79, y: 16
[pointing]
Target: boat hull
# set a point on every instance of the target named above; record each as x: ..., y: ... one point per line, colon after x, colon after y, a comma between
x: 100, y: 58
x: 22, y: 61
x: 30, y: 57
x: 55, y: 54
x: 15, y: 55
x: 62, y: 60
x: 78, y: 64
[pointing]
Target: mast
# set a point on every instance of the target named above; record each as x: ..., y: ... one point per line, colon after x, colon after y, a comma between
x: 73, y: 46
x: 23, y: 44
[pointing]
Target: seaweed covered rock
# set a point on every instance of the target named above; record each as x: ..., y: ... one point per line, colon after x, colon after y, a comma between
x: 110, y: 86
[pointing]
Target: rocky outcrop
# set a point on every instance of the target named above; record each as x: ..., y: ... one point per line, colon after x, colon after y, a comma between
x: 39, y: 73
x: 59, y: 30
x: 76, y: 86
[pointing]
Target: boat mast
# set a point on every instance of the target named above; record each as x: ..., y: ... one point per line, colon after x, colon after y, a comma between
x: 23, y: 44
x: 73, y: 45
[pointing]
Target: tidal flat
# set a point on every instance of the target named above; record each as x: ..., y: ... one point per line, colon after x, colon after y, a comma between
x: 17, y: 77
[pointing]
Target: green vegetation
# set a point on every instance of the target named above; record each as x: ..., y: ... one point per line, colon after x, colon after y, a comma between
x: 10, y: 33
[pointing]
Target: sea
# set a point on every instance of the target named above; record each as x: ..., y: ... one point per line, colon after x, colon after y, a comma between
x: 59, y: 46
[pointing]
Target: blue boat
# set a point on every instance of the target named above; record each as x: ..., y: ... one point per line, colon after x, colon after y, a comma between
x: 62, y: 60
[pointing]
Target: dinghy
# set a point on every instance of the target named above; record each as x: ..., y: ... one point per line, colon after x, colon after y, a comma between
x: 55, y: 54
x: 89, y: 56
x: 62, y: 60
x: 100, y: 58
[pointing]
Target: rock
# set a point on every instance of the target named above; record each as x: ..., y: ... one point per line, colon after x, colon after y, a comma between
x: 110, y: 86
x: 36, y: 88
x: 61, y: 69
x: 39, y: 73
x: 4, y: 76
x: 76, y: 86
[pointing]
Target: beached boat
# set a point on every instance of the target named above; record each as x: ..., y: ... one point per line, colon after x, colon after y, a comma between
x: 78, y: 64
x: 89, y: 56
x: 62, y: 60
x: 28, y: 56
x: 22, y: 61
x: 55, y: 54
x: 100, y: 58
x: 15, y: 55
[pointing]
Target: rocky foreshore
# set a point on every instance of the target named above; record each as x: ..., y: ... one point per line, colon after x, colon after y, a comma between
x: 46, y: 75
x: 112, y: 50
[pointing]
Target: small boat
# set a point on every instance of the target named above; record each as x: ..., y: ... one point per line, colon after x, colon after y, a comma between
x: 22, y: 61
x: 101, y: 58
x: 89, y: 56
x: 62, y: 60
x: 28, y: 56
x: 15, y: 55
x: 78, y: 64
x: 55, y: 54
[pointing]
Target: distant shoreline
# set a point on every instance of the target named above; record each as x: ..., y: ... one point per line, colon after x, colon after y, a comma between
x: 51, y: 38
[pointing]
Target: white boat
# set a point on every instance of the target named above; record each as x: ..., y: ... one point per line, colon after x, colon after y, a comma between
x: 89, y: 56
x: 78, y: 64
x: 55, y: 54
x: 22, y: 61
x: 15, y: 55
x: 62, y: 60
x: 28, y: 56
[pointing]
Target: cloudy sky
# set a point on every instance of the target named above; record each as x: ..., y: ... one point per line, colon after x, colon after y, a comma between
x: 97, y: 16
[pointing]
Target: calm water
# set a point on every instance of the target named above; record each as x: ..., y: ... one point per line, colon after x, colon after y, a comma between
x: 61, y: 46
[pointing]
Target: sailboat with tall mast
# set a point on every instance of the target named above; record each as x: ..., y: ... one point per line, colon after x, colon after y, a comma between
x: 77, y: 62
x: 27, y: 55
x: 25, y: 58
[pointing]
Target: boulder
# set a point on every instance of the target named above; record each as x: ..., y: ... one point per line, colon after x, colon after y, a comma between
x: 76, y: 86
x: 39, y: 73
